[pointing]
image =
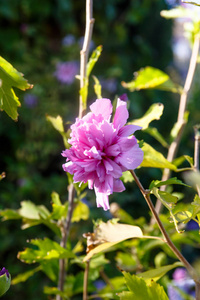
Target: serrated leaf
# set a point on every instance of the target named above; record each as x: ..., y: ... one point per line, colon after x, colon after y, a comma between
x: 156, y: 134
x: 24, y: 276
x: 158, y: 183
x: 97, y: 87
x: 80, y: 212
x: 142, y: 291
x: 46, y: 250
x: 153, y: 113
x: 93, y: 59
x: 5, y: 282
x: 155, y: 159
x: 10, y: 78
x: 151, y: 78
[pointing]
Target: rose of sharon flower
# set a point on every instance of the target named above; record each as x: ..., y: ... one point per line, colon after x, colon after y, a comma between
x: 101, y: 150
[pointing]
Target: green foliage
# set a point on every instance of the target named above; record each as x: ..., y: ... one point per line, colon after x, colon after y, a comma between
x: 153, y: 113
x: 152, y: 78
x: 24, y: 276
x: 141, y: 291
x: 57, y: 123
x: 45, y: 250
x: 5, y: 282
x: 155, y: 159
x: 9, y: 78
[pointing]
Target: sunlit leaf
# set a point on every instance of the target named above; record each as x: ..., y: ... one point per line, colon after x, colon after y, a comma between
x: 50, y: 268
x: 153, y: 113
x: 155, y: 159
x: 57, y: 122
x: 158, y: 183
x: 157, y: 273
x: 9, y: 78
x: 46, y: 250
x: 26, y: 275
x: 142, y: 291
x: 80, y: 212
x: 55, y: 198
x: 31, y: 211
x: 97, y: 87
x: 178, y: 12
x: 5, y: 282
x: 126, y: 295
x: 9, y: 214
x: 121, y: 214
x: 93, y: 59
x: 127, y: 177
x: 156, y: 134
x: 152, y: 78
x: 193, y: 178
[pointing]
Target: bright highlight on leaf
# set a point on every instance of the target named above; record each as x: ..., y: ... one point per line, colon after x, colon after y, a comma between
x: 10, y: 78
x: 153, y: 113
x: 152, y: 78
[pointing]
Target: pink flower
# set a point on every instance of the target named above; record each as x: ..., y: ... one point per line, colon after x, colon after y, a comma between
x: 101, y: 150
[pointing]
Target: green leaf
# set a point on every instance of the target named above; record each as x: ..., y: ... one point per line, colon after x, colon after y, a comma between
x: 142, y: 291
x: 55, y: 198
x: 56, y: 122
x: 157, y: 273
x: 155, y: 133
x: 46, y: 250
x: 9, y: 78
x: 121, y: 214
x: 31, y: 211
x: 26, y: 275
x: 152, y: 78
x: 9, y: 214
x: 4, y: 283
x: 193, y: 178
x: 153, y: 113
x: 97, y: 87
x: 51, y: 269
x: 158, y: 183
x: 127, y: 177
x: 126, y: 295
x: 93, y: 59
x: 167, y: 199
x: 80, y: 212
x: 155, y: 159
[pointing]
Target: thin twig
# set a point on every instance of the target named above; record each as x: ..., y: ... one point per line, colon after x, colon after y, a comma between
x: 180, y: 120
x: 85, y: 281
x: 167, y: 239
x: 85, y: 52
x: 196, y: 152
x: 65, y: 234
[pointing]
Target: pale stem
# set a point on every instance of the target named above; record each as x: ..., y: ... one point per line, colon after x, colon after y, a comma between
x: 85, y: 281
x: 65, y: 234
x: 85, y: 51
x: 180, y: 120
x: 196, y: 152
x: 167, y: 239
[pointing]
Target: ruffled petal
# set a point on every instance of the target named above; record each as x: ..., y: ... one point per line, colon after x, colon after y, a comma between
x: 131, y: 159
x: 121, y: 114
x: 118, y: 186
x: 128, y: 130
x: 102, y: 107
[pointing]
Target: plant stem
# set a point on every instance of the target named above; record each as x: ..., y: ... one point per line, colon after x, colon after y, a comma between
x: 85, y: 52
x: 180, y: 120
x: 167, y: 239
x: 85, y: 281
x: 196, y: 152
x: 65, y: 234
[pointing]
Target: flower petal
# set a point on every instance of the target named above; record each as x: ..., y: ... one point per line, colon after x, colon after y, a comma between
x: 128, y: 130
x: 121, y: 114
x: 102, y: 200
x: 118, y: 186
x: 102, y: 107
x: 131, y: 159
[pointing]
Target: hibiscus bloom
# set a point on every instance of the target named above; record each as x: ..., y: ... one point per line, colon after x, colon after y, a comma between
x: 101, y: 150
